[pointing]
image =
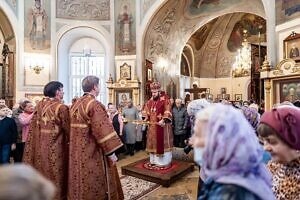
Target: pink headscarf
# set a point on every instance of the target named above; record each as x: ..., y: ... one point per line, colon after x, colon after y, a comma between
x: 286, y: 122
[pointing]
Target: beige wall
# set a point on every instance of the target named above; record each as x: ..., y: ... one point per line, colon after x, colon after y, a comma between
x: 233, y: 86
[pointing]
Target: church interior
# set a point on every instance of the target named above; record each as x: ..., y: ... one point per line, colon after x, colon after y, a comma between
x: 237, y: 52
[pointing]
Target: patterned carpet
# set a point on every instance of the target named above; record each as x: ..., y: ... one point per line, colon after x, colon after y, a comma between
x: 135, y: 188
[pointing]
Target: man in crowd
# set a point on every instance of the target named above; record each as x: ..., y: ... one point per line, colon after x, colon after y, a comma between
x: 93, y: 141
x: 8, y: 135
x: 130, y: 113
x: 159, y: 137
x: 47, y: 146
x: 180, y: 123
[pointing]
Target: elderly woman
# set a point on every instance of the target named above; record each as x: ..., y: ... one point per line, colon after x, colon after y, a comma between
x: 23, y: 182
x: 280, y: 131
x: 230, y: 155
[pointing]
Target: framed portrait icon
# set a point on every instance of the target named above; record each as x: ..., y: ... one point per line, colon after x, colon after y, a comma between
x: 238, y: 97
x: 292, y: 47
x: 125, y: 71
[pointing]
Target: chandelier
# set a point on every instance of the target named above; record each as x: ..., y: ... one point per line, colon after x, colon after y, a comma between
x: 242, y: 65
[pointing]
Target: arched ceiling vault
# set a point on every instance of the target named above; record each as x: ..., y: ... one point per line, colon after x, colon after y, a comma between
x: 177, y: 20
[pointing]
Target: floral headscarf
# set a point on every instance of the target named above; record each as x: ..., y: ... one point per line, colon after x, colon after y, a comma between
x: 252, y: 116
x: 233, y: 155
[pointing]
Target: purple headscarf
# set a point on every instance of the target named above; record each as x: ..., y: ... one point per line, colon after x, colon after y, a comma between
x: 252, y: 116
x: 233, y: 155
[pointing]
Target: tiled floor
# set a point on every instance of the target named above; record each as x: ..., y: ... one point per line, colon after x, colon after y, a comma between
x: 183, y: 189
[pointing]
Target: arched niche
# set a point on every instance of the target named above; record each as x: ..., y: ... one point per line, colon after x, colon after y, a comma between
x: 68, y: 38
x: 8, y: 69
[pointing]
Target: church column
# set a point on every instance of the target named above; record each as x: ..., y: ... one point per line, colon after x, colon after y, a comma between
x: 267, y: 94
x: 270, y: 10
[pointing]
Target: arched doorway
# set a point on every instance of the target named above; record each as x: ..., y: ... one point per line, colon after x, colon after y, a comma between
x: 8, y: 60
x: 82, y: 51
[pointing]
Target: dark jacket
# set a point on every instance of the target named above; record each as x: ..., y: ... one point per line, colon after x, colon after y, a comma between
x: 218, y: 191
x: 180, y: 120
x: 8, y: 131
x: 15, y: 116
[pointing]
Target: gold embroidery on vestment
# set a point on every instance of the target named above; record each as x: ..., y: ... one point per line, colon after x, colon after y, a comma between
x: 79, y: 126
x: 107, y: 137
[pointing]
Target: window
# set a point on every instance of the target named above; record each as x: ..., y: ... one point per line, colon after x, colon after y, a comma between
x: 81, y: 66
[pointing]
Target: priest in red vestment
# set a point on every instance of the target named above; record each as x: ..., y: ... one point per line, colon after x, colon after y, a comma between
x: 157, y: 111
x: 93, y: 141
x: 47, y: 146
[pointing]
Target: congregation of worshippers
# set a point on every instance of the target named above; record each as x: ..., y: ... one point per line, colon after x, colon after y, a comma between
x: 242, y: 151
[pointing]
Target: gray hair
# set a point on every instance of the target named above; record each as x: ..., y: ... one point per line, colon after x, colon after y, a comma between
x: 89, y: 82
x: 22, y: 182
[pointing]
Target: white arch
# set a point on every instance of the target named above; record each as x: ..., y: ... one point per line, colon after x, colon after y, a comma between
x: 67, y: 36
x: 269, y: 15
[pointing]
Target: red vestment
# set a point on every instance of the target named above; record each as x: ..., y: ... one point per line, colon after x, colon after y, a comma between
x: 92, y: 138
x: 159, y: 139
x: 47, y: 146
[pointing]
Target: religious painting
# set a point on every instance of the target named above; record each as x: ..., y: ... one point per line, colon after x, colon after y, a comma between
x: 223, y: 90
x: 290, y: 90
x: 291, y: 46
x: 201, y: 34
x: 226, y: 96
x: 125, y: 71
x: 123, y: 97
x: 287, y: 10
x: 125, y: 24
x: 83, y: 10
x: 184, y: 66
x: 198, y: 7
x: 238, y: 97
x: 34, y: 97
x: 37, y: 26
x: 255, y: 27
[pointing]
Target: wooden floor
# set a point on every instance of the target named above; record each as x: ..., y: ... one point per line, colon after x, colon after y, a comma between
x: 183, y: 189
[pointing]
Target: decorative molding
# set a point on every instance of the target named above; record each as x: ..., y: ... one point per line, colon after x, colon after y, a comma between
x: 83, y: 10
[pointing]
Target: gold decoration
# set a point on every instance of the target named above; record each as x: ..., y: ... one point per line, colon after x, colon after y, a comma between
x: 266, y: 65
x: 37, y: 69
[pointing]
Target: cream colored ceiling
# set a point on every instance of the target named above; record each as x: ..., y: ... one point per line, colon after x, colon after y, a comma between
x: 175, y: 22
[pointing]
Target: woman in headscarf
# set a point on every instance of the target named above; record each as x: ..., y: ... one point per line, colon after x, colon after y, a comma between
x: 280, y: 131
x: 193, y: 108
x: 230, y: 155
x: 253, y: 117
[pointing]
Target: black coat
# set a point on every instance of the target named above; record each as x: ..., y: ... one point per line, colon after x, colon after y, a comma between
x: 8, y: 131
x: 180, y: 120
